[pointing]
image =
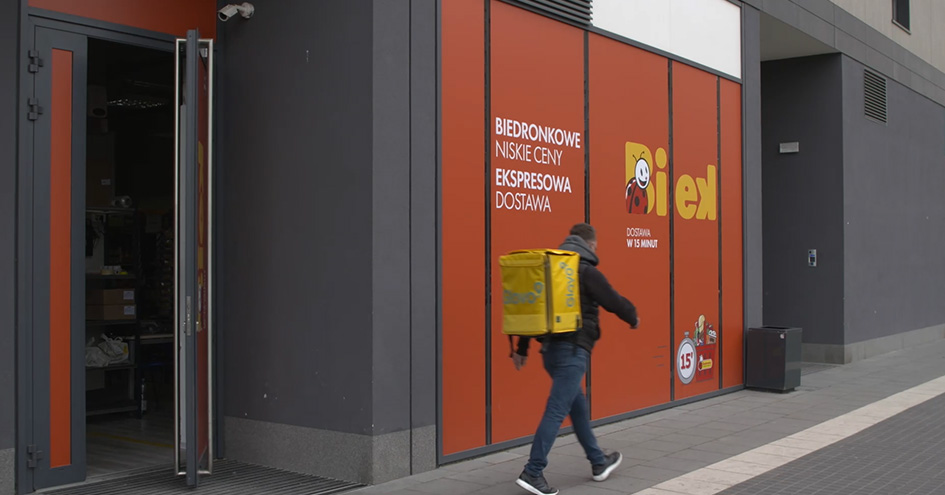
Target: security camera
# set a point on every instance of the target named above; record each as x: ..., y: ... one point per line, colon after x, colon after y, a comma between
x: 245, y: 9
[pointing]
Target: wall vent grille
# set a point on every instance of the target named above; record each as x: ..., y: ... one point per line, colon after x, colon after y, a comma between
x: 874, y: 95
x: 577, y: 11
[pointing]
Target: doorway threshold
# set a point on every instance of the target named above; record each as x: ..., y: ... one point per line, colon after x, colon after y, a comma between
x: 228, y: 478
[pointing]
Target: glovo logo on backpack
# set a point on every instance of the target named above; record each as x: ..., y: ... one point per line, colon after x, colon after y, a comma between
x: 540, y: 292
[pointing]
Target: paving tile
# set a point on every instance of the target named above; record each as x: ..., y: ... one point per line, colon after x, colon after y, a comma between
x: 781, y: 450
x: 625, y: 484
x: 726, y: 449
x: 719, y: 411
x: 465, y: 466
x: 725, y: 425
x: 486, y: 477
x: 739, y: 466
x: 685, y: 439
x: 500, y: 457
x: 642, y: 454
x: 574, y: 450
x: 719, y: 476
x: 656, y: 491
x: 428, y: 476
x: 708, y: 457
x: 445, y: 485
x: 678, y: 464
x: 663, y: 445
x: 785, y: 425
x: 570, y: 467
x: 753, y: 437
x: 655, y: 430
x: 711, y: 433
x: 514, y: 466
x: 769, y: 460
x: 508, y: 488
x: 681, y: 422
x: 651, y: 473
x: 588, y: 489
x: 692, y: 486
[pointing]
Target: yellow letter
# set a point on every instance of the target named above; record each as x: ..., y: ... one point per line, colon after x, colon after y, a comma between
x: 707, y: 191
x: 685, y: 196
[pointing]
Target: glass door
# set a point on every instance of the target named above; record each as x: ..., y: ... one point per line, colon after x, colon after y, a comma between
x: 194, y: 82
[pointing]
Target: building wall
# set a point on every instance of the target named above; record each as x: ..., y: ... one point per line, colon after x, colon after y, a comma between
x: 295, y: 278
x: 802, y: 202
x: 925, y: 37
x: 9, y: 41
x: 327, y: 250
x: 894, y: 212
x: 404, y: 236
x: 751, y: 129
x: 837, y: 28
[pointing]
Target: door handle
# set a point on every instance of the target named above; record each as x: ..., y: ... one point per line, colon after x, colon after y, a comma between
x: 187, y: 316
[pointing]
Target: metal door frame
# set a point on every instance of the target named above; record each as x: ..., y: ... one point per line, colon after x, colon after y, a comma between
x: 186, y: 200
x: 33, y: 204
x: 32, y: 19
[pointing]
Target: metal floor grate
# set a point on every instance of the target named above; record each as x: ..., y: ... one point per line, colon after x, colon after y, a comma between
x: 228, y: 478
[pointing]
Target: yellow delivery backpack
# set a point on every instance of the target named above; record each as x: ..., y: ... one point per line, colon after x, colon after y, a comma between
x: 540, y: 292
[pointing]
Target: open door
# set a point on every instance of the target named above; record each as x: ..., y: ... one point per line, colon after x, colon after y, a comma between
x: 193, y: 453
x: 55, y: 440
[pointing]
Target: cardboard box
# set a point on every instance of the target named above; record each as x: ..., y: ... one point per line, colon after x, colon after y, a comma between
x: 110, y: 296
x: 110, y: 312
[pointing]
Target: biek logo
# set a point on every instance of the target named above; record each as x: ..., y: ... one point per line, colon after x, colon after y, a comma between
x: 647, y: 191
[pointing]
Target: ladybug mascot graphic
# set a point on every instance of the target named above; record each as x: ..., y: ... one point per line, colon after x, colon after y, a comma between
x: 636, y: 187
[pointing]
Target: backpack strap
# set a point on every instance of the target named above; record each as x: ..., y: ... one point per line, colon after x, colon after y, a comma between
x: 574, y: 335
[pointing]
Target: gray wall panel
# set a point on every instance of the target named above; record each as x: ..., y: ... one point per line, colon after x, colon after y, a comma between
x: 295, y: 284
x: 894, y: 178
x: 391, y: 216
x: 9, y: 41
x: 423, y: 233
x: 423, y: 124
x: 803, y: 196
x: 751, y: 83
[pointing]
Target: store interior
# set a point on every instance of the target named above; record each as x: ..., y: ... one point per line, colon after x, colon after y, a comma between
x: 129, y: 258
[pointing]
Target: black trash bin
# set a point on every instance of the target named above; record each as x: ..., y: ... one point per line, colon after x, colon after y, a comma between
x: 774, y: 358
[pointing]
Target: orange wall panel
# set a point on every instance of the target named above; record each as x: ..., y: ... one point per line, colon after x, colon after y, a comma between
x: 463, y: 227
x: 60, y: 265
x: 168, y: 16
x: 695, y: 228
x: 629, y: 122
x: 537, y: 78
x: 654, y: 180
x: 733, y: 326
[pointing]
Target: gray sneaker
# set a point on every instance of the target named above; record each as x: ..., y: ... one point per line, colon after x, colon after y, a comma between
x: 611, y: 461
x: 535, y: 484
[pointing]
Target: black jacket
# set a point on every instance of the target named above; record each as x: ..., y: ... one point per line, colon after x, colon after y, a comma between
x: 595, y: 292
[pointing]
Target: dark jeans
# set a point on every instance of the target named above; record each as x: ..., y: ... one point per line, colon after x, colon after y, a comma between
x: 566, y: 363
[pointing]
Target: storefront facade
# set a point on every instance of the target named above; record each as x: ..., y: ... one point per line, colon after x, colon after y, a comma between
x: 576, y: 124
x: 357, y: 169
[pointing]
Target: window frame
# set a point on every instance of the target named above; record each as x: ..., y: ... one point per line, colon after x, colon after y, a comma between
x: 896, y: 19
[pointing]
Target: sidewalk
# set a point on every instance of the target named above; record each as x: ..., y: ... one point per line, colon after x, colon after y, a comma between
x: 818, y: 439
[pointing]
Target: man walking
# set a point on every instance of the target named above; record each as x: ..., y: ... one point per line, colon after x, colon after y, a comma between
x: 565, y: 358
